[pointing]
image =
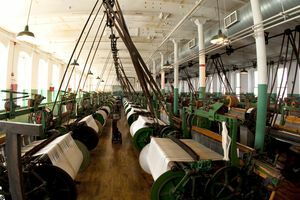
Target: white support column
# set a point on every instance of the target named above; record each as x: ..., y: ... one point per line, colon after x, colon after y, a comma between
x: 162, y: 73
x: 202, y: 67
x: 176, y: 76
x: 262, y: 75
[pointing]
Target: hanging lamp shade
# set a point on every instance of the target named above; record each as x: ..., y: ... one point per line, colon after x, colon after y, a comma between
x: 167, y: 65
x: 244, y: 72
x: 102, y: 81
x: 220, y: 38
x: 26, y: 35
x: 90, y: 73
x: 98, y: 78
x: 75, y: 63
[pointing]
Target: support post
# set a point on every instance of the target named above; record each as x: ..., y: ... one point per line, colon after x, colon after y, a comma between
x: 13, y: 132
x: 176, y: 77
x: 202, y: 67
x: 162, y: 73
x: 262, y: 76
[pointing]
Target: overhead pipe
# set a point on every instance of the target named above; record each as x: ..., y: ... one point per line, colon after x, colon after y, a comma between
x: 271, y: 11
x: 179, y: 24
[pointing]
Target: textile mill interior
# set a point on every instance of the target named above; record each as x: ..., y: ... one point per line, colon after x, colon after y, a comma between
x: 150, y: 99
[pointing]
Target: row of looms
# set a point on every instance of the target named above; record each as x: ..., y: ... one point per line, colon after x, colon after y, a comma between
x: 216, y: 118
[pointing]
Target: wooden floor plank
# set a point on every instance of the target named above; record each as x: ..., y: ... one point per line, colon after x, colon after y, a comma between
x: 114, y: 172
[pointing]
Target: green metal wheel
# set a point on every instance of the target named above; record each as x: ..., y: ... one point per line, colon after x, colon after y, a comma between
x: 99, y: 118
x: 225, y: 184
x: 86, y: 155
x: 132, y: 118
x: 164, y: 187
x: 142, y: 137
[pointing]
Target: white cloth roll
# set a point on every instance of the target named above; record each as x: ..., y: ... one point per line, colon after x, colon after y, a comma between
x: 106, y: 108
x: 64, y: 153
x: 163, y: 150
x: 90, y: 122
x: 141, y: 123
x: 143, y: 159
x: 134, y: 110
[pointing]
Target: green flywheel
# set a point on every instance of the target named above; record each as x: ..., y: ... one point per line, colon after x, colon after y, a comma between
x: 164, y: 187
x: 142, y: 137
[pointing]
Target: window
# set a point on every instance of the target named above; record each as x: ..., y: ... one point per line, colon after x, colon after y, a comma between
x: 209, y: 85
x: 3, y: 69
x: 55, y: 77
x: 3, y: 65
x: 43, y: 77
x: 238, y: 83
x: 281, y: 75
x: 24, y: 74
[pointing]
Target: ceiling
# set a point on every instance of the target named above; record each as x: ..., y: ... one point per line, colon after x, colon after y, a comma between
x: 57, y: 25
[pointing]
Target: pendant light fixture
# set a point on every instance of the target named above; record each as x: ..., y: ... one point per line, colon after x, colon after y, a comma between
x: 26, y: 35
x: 244, y: 72
x: 75, y: 63
x: 220, y: 38
x: 90, y: 73
x: 98, y: 78
x: 167, y: 64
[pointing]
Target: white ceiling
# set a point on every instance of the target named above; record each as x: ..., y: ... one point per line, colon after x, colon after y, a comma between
x: 58, y: 23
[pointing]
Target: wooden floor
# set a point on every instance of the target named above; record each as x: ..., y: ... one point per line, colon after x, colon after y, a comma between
x: 114, y: 172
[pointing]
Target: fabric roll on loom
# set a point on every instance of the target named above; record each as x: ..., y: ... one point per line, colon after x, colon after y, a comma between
x: 143, y: 159
x: 64, y: 153
x: 161, y: 151
x: 142, y: 129
x: 90, y: 121
x: 107, y: 109
x: 86, y: 155
x: 86, y: 131
x: 131, y: 116
x: 101, y: 116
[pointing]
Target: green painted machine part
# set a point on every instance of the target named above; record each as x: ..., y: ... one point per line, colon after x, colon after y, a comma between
x: 132, y: 118
x: 165, y: 187
x: 232, y: 123
x: 99, y: 118
x: 142, y: 137
x: 180, y: 183
x: 170, y: 111
x: 86, y: 155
